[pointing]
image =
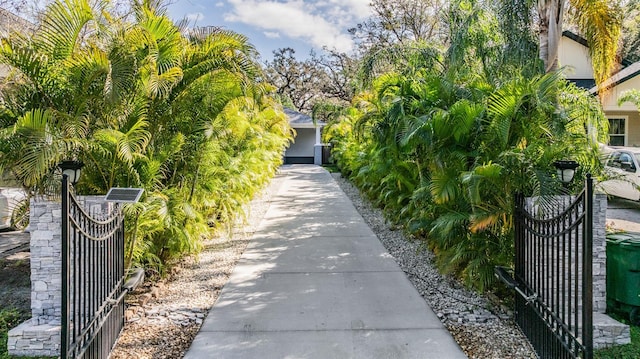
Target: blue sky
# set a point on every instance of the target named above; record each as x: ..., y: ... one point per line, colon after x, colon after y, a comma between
x: 272, y: 24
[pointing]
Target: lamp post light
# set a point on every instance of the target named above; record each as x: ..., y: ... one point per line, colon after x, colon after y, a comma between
x: 70, y: 173
x: 566, y: 170
x: 72, y: 170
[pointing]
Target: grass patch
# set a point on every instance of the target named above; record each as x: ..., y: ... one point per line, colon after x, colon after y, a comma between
x: 9, y: 318
x: 331, y: 168
x: 628, y: 351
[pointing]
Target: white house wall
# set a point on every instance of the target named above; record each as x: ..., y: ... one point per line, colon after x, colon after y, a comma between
x: 304, y: 143
x: 576, y: 57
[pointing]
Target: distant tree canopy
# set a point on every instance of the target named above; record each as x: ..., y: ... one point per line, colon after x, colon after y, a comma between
x: 631, y: 31
x: 299, y: 82
x: 401, y: 21
x: 521, y: 30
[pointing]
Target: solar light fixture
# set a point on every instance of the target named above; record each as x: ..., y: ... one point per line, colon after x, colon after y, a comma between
x: 71, y: 169
x: 566, y: 170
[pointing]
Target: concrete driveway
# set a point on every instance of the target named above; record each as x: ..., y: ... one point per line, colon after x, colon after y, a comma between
x: 13, y: 242
x: 623, y: 214
x: 316, y: 283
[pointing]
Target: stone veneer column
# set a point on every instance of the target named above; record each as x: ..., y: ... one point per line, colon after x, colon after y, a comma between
x: 599, y: 253
x: 46, y: 262
x: 40, y: 335
x: 606, y: 330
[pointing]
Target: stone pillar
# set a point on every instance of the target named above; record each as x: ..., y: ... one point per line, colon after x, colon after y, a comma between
x: 599, y: 253
x: 607, y: 331
x: 317, y: 148
x: 40, y: 335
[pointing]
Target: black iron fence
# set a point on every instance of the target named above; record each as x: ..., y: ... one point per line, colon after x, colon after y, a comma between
x: 553, y: 274
x: 93, y: 275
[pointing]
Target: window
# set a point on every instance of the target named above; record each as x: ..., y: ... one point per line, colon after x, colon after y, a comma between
x: 617, y: 131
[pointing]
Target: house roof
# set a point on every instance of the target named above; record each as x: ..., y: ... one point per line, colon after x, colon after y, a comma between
x: 619, y: 77
x: 582, y: 41
x: 628, y: 70
x: 583, y: 83
x: 300, y: 120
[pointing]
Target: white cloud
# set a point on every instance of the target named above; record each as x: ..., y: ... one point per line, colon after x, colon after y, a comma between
x: 220, y: 4
x: 195, y: 17
x: 272, y: 34
x: 321, y: 23
x: 355, y: 9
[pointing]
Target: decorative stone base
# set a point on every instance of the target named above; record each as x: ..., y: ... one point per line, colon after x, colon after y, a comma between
x: 608, y: 332
x: 29, y: 339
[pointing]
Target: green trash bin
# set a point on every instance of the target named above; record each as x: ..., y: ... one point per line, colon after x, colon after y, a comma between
x: 623, y: 274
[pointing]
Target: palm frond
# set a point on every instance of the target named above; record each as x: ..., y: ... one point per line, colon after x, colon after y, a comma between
x: 61, y: 26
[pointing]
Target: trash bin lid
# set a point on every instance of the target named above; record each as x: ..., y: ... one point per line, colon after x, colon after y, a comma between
x: 626, y: 238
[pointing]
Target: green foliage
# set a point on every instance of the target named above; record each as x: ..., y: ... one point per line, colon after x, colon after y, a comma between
x: 442, y: 149
x: 630, y: 47
x: 9, y: 318
x: 184, y: 116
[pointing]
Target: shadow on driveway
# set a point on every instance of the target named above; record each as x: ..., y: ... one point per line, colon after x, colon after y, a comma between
x: 623, y: 214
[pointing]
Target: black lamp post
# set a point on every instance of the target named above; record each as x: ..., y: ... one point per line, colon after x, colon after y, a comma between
x: 566, y: 170
x: 72, y: 169
x: 70, y: 173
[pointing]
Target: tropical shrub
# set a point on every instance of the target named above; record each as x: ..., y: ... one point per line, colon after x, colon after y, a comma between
x: 442, y: 140
x: 142, y: 103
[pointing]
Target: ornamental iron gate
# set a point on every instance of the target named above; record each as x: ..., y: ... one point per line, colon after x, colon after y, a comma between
x: 93, y: 279
x: 553, y: 274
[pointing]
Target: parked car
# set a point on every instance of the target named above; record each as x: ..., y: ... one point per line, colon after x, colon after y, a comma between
x: 622, y: 165
x: 14, y: 208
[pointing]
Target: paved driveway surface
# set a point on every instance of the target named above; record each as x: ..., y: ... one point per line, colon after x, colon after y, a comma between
x: 316, y: 283
x: 623, y: 214
x: 13, y: 242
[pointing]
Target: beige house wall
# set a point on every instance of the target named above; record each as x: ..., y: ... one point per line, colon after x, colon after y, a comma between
x: 10, y: 23
x: 576, y: 57
x: 13, y: 23
x: 610, y: 102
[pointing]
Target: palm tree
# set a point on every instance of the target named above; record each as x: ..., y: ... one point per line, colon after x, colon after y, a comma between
x: 441, y: 143
x: 56, y: 83
x: 142, y: 105
x: 599, y: 21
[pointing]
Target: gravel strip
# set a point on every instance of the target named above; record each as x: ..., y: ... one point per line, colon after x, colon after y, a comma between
x: 163, y: 318
x: 481, y: 329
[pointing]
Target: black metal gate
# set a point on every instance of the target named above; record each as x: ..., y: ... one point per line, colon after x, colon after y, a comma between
x: 93, y: 275
x: 553, y: 274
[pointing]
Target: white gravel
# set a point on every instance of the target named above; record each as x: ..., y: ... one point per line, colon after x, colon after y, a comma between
x: 164, y: 317
x: 482, y: 330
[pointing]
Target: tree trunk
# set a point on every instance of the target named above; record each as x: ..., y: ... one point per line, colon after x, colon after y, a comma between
x: 551, y: 13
